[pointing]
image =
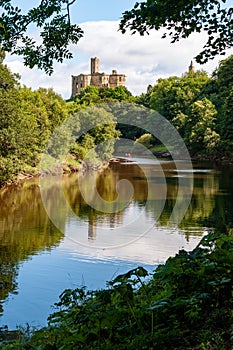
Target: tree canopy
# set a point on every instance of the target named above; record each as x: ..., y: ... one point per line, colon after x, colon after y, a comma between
x: 200, y: 108
x: 52, y: 18
x: 181, y: 18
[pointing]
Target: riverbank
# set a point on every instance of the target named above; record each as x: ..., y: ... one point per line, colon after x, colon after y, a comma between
x: 219, y: 159
x: 226, y: 158
x: 71, y: 165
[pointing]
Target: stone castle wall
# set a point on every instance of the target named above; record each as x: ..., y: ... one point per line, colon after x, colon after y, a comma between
x: 97, y: 79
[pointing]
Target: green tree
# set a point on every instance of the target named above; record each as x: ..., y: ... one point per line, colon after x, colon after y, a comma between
x: 221, y: 96
x: 199, y: 127
x: 97, y: 132
x: 88, y: 96
x: 119, y: 93
x: 92, y: 95
x: 56, y: 107
x: 181, y: 18
x: 173, y: 95
x: 223, y: 75
x: 9, y: 106
x: 27, y: 119
x: 227, y: 119
x: 145, y: 140
x: 53, y: 20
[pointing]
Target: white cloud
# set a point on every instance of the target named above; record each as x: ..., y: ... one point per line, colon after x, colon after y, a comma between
x: 142, y: 59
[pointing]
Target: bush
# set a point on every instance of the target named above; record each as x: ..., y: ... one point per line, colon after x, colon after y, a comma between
x: 145, y: 140
x: 9, y: 169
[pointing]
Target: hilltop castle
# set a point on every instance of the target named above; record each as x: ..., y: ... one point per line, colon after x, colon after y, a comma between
x: 97, y: 79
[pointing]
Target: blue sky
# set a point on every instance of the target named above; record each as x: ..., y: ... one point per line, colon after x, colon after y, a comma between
x: 93, y: 10
x: 142, y: 59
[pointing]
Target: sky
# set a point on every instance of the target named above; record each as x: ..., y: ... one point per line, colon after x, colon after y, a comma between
x: 142, y: 59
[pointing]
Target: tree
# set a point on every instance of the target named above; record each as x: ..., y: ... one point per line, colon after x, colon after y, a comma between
x: 197, y: 126
x: 200, y: 123
x: 55, y: 105
x: 92, y: 95
x: 181, y: 18
x: 223, y: 75
x: 88, y: 96
x: 27, y: 119
x: 98, y: 131
x: 227, y: 119
x: 173, y: 95
x: 221, y: 95
x: 119, y: 93
x: 52, y: 18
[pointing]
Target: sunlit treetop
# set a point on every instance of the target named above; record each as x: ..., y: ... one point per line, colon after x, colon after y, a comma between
x: 180, y: 18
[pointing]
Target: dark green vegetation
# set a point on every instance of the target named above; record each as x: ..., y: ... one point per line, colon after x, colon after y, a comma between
x: 52, y: 18
x: 27, y: 118
x: 182, y: 18
x: 200, y: 107
x: 185, y: 304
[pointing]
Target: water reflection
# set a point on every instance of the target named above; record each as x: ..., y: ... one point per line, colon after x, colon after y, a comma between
x: 137, y: 234
x: 24, y: 230
x: 206, y: 188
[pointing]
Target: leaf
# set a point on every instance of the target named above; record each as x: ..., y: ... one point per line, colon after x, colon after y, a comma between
x: 159, y: 304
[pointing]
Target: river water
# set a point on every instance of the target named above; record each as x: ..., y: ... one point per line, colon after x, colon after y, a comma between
x: 46, y: 247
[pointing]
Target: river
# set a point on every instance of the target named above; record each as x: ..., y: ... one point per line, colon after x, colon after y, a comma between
x: 46, y: 248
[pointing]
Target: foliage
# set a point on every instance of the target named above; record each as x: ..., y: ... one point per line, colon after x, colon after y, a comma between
x: 200, y: 107
x: 56, y: 31
x: 52, y: 18
x: 173, y: 95
x: 198, y: 126
x: 92, y: 95
x: 27, y: 119
x: 224, y: 83
x: 186, y: 304
x: 145, y: 140
x: 9, y: 169
x: 182, y: 18
x: 227, y: 120
x: 97, y: 133
x: 223, y: 74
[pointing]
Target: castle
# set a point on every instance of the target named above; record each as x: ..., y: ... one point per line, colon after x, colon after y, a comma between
x: 97, y: 79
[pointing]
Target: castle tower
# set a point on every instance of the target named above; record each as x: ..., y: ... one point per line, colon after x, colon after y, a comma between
x: 191, y: 67
x: 94, y: 65
x: 95, y: 78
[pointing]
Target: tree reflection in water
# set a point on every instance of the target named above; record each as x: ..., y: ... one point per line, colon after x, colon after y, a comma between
x: 25, y: 230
